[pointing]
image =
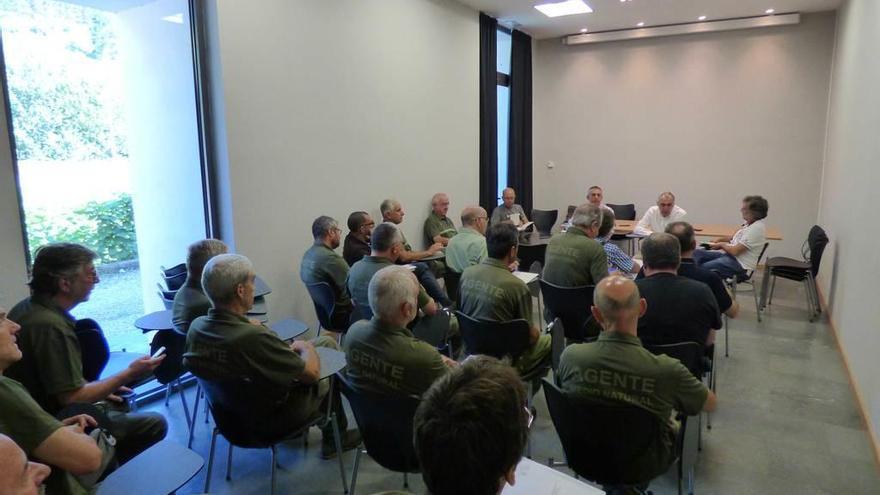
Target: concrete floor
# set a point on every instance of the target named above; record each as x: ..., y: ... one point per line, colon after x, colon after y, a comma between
x: 787, y: 422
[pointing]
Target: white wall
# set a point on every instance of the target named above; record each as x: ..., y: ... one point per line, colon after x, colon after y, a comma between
x: 851, y: 264
x: 331, y: 107
x: 711, y: 117
x: 13, y: 274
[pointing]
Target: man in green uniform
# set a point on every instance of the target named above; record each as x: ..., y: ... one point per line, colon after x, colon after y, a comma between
x: 489, y: 291
x: 322, y: 264
x: 62, y: 444
x: 438, y: 227
x: 51, y: 367
x: 617, y: 370
x: 190, y: 301
x: 383, y: 355
x: 224, y: 345
x: 574, y: 258
x: 469, y: 246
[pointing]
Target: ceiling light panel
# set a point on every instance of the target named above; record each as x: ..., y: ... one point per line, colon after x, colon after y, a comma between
x: 559, y: 9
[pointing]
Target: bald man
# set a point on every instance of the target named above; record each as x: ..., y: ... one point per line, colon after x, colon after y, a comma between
x: 616, y: 370
x: 659, y: 216
x: 438, y: 227
x: 508, y: 210
x: 468, y: 248
x: 19, y: 476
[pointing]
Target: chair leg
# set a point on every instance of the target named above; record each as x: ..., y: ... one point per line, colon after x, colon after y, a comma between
x: 195, y: 414
x: 338, y: 440
x: 206, y: 407
x: 229, y: 464
x: 772, y: 290
x: 167, y: 392
x: 757, y: 305
x: 354, y: 471
x: 406, y: 480
x: 726, y: 336
x: 529, y: 388
x: 185, y: 405
x: 274, y: 466
x: 210, y: 461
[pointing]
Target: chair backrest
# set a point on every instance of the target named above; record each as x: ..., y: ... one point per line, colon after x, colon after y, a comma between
x: 570, y: 212
x: 433, y: 329
x: 174, y: 282
x: 623, y: 212
x: 572, y: 306
x: 324, y: 301
x: 93, y: 347
x: 816, y: 241
x: 386, y: 426
x: 544, y: 220
x: 602, y: 443
x: 556, y: 329
x: 174, y: 270
x: 452, y: 280
x: 494, y: 338
x: 689, y: 353
x: 166, y: 296
x: 361, y: 311
x: 240, y: 409
x: 171, y: 368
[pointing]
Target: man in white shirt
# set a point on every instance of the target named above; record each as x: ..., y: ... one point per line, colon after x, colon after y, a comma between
x: 658, y: 217
x: 733, y: 256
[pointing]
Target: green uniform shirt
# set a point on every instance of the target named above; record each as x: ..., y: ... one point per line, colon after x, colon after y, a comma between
x: 389, y: 360
x: 28, y: 425
x: 322, y: 264
x: 434, y: 226
x: 466, y: 249
x: 362, y: 272
x: 189, y: 303
x: 51, y: 361
x: 573, y: 260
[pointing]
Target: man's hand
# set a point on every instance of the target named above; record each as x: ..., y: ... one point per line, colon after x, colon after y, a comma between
x: 144, y: 366
x: 435, y: 248
x: 255, y: 321
x: 715, y: 245
x: 116, y: 396
x: 79, y: 422
x: 514, y: 266
x: 301, y: 346
x: 450, y: 363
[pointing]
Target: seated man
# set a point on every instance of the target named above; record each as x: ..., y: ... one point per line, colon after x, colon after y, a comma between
x: 190, y: 301
x: 471, y: 428
x: 321, y: 263
x: 617, y: 370
x: 595, y: 195
x: 679, y: 309
x: 357, y: 242
x: 62, y: 444
x: 438, y: 227
x: 19, y: 476
x: 225, y: 344
x: 574, y: 258
x: 387, y: 243
x: 617, y: 259
x: 684, y: 232
x: 508, y: 210
x: 489, y: 291
x: 51, y: 366
x: 392, y: 212
x: 659, y: 216
x: 733, y: 256
x: 469, y: 246
x: 382, y: 354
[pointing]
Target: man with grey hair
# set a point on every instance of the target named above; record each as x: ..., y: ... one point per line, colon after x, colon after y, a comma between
x: 660, y: 215
x: 321, y: 264
x: 468, y: 248
x: 190, y: 301
x: 679, y: 309
x: 616, y: 371
x: 574, y: 258
x: 438, y: 227
x: 508, y: 210
x: 383, y: 355
x: 225, y: 345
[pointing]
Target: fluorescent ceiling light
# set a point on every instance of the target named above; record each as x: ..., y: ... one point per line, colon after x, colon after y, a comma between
x: 569, y: 7
x: 584, y: 30
x: 769, y: 11
x: 701, y: 18
x: 176, y: 18
x: 640, y: 24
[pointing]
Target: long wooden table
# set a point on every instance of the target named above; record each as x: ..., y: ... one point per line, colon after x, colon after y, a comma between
x: 626, y: 227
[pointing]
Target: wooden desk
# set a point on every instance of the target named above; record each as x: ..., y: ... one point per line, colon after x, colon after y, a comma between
x: 626, y: 227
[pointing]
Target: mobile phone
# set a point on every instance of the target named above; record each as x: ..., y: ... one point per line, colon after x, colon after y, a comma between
x: 158, y: 352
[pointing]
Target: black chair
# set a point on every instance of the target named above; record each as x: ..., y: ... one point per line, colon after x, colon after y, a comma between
x: 434, y: 329
x: 746, y: 279
x: 325, y: 302
x: 166, y: 296
x: 173, y: 282
x: 693, y: 356
x: 174, y: 270
x: 570, y: 212
x: 544, y: 220
x: 572, y: 306
x: 94, y: 349
x: 556, y: 329
x: 386, y: 426
x: 452, y: 279
x: 801, y: 271
x: 240, y: 409
x: 360, y: 311
x: 623, y: 212
x: 171, y: 370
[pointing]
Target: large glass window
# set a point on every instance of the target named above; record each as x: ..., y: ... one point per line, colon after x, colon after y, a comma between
x: 503, y: 44
x: 106, y: 138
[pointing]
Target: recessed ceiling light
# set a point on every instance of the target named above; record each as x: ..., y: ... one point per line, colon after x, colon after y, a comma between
x: 640, y: 24
x: 569, y: 7
x: 584, y: 30
x: 701, y: 18
x: 769, y: 11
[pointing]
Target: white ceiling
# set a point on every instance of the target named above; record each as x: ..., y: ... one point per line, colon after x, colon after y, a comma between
x: 614, y: 14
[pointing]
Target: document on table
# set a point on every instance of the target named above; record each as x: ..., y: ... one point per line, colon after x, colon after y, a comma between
x: 532, y: 478
x: 527, y: 277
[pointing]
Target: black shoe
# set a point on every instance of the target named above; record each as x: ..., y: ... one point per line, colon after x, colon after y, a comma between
x: 350, y: 440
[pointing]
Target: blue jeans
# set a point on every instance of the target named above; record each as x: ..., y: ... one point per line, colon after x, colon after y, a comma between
x: 429, y: 282
x: 725, y: 265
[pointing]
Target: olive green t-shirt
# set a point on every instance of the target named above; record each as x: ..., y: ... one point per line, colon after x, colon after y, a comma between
x: 28, y: 425
x: 190, y: 302
x: 435, y: 225
x: 489, y: 291
x: 362, y: 272
x: 574, y: 260
x: 51, y: 361
x: 322, y: 264
x: 390, y: 360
